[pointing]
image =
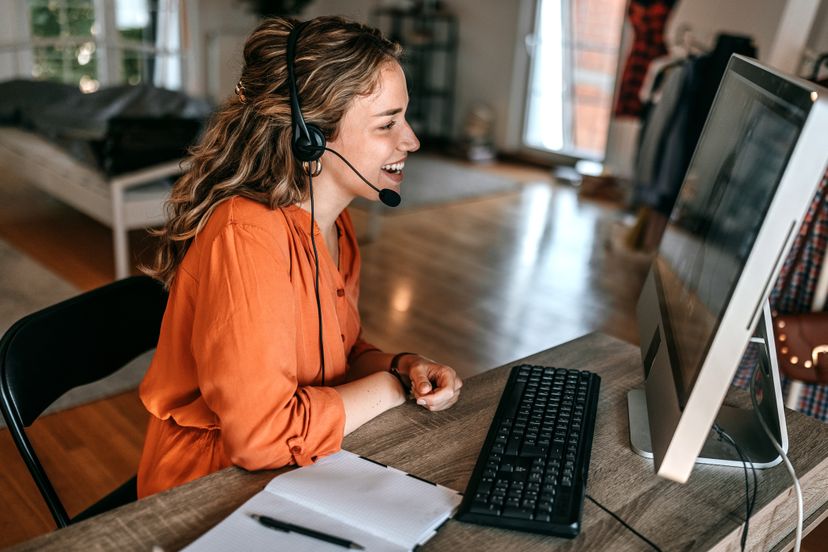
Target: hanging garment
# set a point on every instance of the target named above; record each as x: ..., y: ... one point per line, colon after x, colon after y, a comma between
x: 648, y: 19
x: 660, y: 161
x: 666, y: 149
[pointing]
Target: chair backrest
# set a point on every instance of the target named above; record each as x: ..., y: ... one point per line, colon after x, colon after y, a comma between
x: 72, y: 343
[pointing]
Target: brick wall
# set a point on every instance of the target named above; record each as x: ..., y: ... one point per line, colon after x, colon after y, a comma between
x: 596, y: 35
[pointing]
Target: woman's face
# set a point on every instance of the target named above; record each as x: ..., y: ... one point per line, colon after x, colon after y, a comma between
x: 375, y: 137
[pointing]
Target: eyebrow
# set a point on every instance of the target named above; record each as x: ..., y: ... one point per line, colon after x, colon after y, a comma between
x: 389, y: 112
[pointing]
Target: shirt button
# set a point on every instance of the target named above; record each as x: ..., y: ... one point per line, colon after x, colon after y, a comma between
x: 340, y: 293
x: 296, y: 450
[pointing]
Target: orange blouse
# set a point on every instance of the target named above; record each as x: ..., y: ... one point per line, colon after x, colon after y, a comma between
x: 236, y: 377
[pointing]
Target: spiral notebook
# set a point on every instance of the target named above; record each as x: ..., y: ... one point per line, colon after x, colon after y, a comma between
x: 376, y: 507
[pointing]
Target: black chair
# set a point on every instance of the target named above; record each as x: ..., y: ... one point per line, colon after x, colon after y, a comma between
x: 72, y: 343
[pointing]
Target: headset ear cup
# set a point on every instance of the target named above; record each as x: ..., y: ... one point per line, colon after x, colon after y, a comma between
x: 308, y: 147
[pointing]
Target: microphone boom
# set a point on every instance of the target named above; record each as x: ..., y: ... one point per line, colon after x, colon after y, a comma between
x: 388, y: 196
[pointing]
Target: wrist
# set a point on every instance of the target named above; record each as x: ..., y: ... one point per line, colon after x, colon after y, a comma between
x: 400, y: 372
x: 402, y: 363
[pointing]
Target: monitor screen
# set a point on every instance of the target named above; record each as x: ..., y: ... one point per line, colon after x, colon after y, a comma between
x: 728, y: 189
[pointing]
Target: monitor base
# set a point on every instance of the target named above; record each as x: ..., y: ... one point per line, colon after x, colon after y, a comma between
x: 740, y: 424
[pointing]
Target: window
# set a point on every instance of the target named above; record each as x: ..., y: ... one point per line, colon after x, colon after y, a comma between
x: 574, y: 59
x: 106, y: 42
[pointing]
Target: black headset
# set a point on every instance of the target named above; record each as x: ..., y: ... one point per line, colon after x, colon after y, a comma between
x: 308, y: 142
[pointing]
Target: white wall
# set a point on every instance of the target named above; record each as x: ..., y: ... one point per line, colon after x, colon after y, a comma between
x: 220, y: 28
x: 818, y: 39
x: 217, y: 30
x: 779, y: 27
x: 488, y: 30
x: 757, y: 18
x: 486, y: 54
x: 359, y: 10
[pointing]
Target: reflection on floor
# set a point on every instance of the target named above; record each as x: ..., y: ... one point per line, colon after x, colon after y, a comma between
x: 478, y: 284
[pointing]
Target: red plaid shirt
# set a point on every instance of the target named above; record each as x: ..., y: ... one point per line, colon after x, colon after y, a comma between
x: 648, y: 18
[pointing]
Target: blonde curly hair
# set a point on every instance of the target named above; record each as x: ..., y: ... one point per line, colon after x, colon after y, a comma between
x: 246, y: 148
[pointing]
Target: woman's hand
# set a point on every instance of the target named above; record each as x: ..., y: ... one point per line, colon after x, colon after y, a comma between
x: 434, y: 385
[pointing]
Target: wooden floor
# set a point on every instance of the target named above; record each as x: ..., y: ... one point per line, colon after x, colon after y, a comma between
x: 474, y: 284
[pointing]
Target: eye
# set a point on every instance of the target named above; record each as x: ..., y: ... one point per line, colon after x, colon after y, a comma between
x: 389, y: 125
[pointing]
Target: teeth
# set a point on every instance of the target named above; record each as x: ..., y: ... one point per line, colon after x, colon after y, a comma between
x: 394, y: 167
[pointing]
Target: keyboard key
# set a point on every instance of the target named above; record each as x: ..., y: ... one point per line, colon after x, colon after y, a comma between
x: 528, y: 503
x: 555, y: 451
x: 533, y: 451
x: 520, y: 476
x: 486, y: 485
x: 517, y: 512
x: 483, y: 508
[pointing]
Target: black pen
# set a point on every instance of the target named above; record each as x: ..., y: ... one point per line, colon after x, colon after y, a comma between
x: 271, y: 523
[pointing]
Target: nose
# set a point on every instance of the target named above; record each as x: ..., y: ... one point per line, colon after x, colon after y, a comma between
x: 409, y: 140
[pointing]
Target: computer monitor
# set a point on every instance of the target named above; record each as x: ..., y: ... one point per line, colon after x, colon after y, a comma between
x: 761, y: 156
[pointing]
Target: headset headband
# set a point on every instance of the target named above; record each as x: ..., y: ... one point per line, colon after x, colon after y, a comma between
x: 308, y: 141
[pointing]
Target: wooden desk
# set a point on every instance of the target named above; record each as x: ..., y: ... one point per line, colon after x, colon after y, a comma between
x: 703, y: 514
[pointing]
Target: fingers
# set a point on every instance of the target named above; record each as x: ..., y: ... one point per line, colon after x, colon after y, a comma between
x: 437, y: 398
x: 420, y: 384
x: 436, y: 407
x: 435, y: 386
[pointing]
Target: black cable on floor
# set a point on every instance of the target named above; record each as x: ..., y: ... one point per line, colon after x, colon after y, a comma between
x: 624, y: 523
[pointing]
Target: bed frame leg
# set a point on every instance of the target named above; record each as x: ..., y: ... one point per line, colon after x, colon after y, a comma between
x: 119, y: 233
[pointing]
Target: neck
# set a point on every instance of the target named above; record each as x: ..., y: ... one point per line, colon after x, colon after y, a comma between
x: 329, y: 202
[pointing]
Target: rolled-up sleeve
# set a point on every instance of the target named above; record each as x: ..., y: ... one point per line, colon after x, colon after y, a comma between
x: 244, y: 344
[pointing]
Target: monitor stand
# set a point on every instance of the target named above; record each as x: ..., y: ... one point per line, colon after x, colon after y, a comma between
x: 740, y: 423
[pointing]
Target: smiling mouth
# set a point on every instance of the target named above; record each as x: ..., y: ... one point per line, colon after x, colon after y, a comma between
x: 394, y: 168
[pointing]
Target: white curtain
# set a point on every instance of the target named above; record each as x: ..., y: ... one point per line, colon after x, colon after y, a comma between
x: 168, y: 62
x: 15, y: 40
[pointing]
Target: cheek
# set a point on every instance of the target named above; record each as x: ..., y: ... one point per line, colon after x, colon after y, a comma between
x: 376, y: 152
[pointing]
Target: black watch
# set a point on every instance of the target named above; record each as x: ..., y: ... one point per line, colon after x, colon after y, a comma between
x: 396, y: 373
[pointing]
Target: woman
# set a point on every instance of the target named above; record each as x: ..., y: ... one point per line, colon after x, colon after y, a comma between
x: 238, y: 377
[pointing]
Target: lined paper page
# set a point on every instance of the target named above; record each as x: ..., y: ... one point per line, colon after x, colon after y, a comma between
x: 239, y: 532
x: 379, y: 500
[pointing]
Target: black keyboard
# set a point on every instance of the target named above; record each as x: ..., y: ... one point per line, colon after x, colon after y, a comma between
x: 531, y: 473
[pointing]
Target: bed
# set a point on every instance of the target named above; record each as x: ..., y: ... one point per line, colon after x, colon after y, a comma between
x: 113, y: 157
x: 125, y: 202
